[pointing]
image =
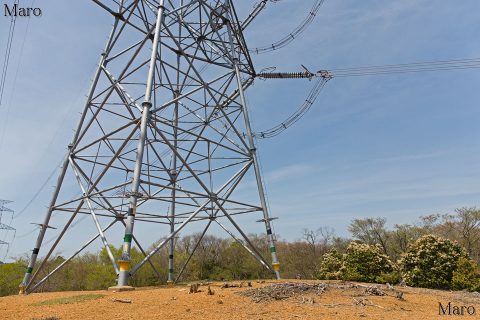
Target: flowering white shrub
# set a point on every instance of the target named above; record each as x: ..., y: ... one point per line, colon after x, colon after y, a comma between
x: 330, y: 267
x: 363, y: 262
x: 431, y: 261
x: 360, y: 262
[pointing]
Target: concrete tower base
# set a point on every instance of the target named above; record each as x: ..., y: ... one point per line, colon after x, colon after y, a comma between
x: 121, y: 288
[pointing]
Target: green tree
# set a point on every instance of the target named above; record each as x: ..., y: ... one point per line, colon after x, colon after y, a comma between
x: 370, y: 231
x: 431, y: 261
x: 11, y: 274
x: 468, y: 224
x: 401, y: 237
x: 466, y: 276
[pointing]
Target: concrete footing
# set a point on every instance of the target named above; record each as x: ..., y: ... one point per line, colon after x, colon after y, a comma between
x: 121, y: 288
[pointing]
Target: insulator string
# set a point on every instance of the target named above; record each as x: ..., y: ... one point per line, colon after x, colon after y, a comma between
x: 325, y: 76
x: 286, y: 40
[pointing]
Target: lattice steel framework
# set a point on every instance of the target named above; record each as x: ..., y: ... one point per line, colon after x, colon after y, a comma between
x: 4, y: 226
x: 165, y: 135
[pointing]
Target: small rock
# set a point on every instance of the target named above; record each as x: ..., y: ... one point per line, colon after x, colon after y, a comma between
x: 210, y: 292
x: 399, y: 296
x: 194, y: 288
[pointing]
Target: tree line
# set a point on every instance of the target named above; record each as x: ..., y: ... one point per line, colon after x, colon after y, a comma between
x: 439, y: 251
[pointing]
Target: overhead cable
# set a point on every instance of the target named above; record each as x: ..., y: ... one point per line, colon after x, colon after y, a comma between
x: 427, y: 66
x: 39, y: 191
x: 8, y: 50
x: 295, y: 33
x: 323, y: 78
x: 326, y: 75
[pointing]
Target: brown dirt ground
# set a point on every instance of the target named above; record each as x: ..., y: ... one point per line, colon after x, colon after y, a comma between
x: 176, y: 303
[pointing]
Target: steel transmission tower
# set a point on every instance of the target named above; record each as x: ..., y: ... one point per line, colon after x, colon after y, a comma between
x: 3, y: 226
x: 165, y: 134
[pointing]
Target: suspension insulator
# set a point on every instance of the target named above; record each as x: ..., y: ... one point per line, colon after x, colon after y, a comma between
x: 286, y: 75
x: 295, y: 75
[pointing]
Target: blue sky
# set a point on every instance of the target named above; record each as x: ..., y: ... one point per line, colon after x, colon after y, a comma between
x: 397, y: 146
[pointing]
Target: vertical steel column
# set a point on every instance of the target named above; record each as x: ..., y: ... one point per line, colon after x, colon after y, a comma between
x: 253, y: 150
x: 173, y: 179
x: 48, y: 215
x: 173, y: 173
x: 125, y: 260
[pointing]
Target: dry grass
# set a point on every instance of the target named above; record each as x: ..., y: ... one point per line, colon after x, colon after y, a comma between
x: 68, y: 300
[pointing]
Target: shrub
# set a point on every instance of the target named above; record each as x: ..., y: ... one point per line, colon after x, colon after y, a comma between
x: 363, y: 262
x: 466, y: 276
x: 431, y: 261
x: 11, y: 274
x: 330, y: 266
x: 393, y: 277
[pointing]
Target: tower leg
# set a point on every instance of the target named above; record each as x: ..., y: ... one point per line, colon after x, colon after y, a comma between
x: 43, y: 228
x: 125, y: 260
x: 253, y: 154
x: 171, y: 248
x: 173, y: 180
x: 173, y: 172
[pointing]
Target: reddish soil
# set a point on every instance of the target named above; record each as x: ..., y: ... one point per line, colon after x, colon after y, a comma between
x: 176, y: 303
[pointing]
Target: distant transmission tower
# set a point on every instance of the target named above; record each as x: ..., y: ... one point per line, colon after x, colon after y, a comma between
x: 165, y: 136
x: 3, y: 226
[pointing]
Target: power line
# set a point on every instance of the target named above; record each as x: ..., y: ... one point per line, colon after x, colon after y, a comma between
x: 299, y: 113
x: 426, y: 66
x: 3, y: 129
x: 6, y: 59
x: 324, y: 76
x: 52, y: 140
x: 295, y: 33
x: 35, y: 196
x: 28, y: 233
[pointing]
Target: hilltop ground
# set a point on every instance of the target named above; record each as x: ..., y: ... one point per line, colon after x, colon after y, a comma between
x: 338, y: 301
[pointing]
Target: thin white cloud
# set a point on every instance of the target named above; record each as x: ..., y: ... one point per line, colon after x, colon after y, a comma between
x: 290, y: 172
